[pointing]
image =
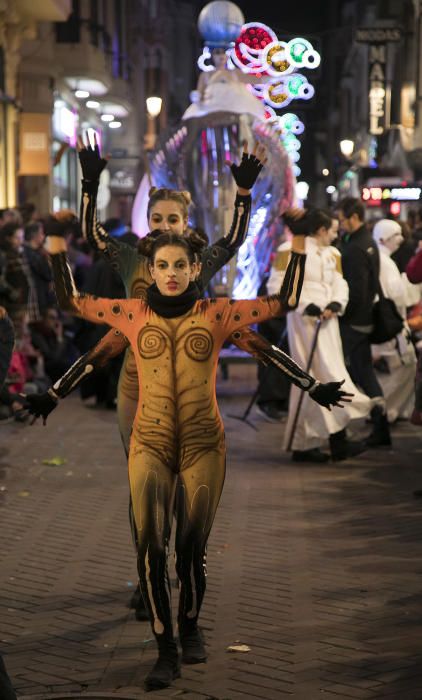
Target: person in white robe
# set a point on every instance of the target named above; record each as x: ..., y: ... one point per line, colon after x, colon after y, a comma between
x: 396, y: 357
x: 324, y: 296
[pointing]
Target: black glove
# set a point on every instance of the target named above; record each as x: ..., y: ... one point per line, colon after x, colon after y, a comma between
x: 313, y: 310
x: 40, y: 406
x: 329, y: 394
x: 91, y: 162
x: 246, y: 174
x: 334, y: 306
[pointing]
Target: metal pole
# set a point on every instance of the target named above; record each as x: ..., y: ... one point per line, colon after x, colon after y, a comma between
x: 308, y: 367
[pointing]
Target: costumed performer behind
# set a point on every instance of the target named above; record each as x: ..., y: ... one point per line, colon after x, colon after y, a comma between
x: 324, y: 296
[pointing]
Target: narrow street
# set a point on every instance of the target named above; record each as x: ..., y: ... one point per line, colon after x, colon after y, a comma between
x: 315, y: 568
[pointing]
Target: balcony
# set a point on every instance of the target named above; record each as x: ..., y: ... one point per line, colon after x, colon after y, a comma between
x: 83, y: 65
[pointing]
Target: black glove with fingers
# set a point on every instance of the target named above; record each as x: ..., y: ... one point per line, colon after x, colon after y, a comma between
x: 330, y: 394
x: 92, y: 163
x: 246, y: 173
x: 40, y: 406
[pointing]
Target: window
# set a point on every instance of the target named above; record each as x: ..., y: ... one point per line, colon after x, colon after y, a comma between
x: 69, y: 32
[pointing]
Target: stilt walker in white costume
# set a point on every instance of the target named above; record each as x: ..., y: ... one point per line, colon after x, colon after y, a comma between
x: 324, y: 297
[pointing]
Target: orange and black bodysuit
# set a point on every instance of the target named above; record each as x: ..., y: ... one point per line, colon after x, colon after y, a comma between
x: 133, y: 269
x: 177, y: 431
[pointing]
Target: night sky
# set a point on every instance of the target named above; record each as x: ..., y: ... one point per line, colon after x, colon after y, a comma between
x: 294, y: 16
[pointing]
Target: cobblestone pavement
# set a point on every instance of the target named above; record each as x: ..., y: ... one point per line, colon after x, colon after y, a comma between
x: 316, y: 568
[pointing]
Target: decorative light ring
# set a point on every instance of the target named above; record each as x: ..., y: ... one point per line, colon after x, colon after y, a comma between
x: 311, y: 59
x: 291, y: 122
x: 291, y: 142
x: 296, y: 48
x: 253, y: 38
x: 278, y: 95
x: 306, y: 91
x: 275, y: 59
x: 247, y: 59
x: 294, y: 84
x: 294, y: 156
x: 296, y: 170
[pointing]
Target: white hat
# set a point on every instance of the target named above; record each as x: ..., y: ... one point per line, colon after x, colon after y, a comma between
x: 385, y: 229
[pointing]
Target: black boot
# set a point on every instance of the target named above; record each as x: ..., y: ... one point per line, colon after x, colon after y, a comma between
x: 167, y: 666
x: 342, y: 448
x: 380, y: 435
x: 315, y: 455
x: 193, y: 648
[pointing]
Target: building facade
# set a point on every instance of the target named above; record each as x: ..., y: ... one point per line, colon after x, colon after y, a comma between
x: 74, y: 66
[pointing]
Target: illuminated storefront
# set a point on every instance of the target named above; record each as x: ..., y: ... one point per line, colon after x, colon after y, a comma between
x: 395, y: 199
x: 65, y: 159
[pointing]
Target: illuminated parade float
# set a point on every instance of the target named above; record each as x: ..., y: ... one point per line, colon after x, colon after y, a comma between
x: 247, y: 75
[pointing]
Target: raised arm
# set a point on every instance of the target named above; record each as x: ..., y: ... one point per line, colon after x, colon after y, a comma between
x: 245, y: 175
x: 118, y: 254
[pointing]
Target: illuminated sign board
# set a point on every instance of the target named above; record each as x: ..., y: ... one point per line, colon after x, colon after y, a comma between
x: 377, y: 88
x: 374, y: 196
x: 378, y: 34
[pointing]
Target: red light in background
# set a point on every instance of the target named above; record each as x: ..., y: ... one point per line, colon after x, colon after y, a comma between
x: 395, y: 208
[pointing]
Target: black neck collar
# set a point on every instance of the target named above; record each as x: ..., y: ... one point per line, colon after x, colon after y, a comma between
x: 171, y: 307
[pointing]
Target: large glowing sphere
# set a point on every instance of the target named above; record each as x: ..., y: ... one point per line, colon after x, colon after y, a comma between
x: 220, y: 23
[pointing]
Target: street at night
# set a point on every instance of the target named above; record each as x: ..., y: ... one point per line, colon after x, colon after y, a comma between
x: 210, y: 350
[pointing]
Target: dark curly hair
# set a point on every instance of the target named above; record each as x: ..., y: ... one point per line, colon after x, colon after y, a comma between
x: 193, y: 244
x: 309, y: 223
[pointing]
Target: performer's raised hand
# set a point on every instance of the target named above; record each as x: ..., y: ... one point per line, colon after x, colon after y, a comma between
x: 246, y: 173
x: 330, y: 394
x: 92, y: 163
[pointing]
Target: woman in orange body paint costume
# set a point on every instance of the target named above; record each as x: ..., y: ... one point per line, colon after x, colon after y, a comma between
x: 177, y: 432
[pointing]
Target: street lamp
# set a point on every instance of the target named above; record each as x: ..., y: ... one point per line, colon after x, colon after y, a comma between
x: 346, y: 147
x: 154, y: 105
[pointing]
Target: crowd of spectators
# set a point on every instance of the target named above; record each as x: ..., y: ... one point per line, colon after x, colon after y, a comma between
x: 47, y: 342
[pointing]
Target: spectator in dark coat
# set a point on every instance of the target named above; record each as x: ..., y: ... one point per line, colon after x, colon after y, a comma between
x: 360, y: 260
